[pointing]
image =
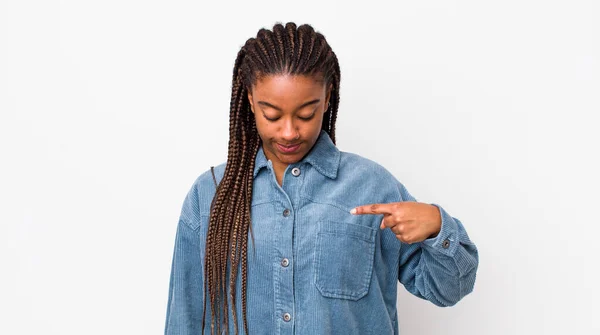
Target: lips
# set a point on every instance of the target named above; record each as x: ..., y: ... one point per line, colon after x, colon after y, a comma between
x: 288, y: 149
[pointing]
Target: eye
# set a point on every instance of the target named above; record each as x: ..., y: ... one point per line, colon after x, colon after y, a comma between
x: 272, y: 119
x: 307, y: 118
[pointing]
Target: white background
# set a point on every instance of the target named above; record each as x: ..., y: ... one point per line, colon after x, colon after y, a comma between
x: 111, y: 109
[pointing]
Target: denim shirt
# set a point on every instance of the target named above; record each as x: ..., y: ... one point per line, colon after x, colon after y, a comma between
x: 314, y: 268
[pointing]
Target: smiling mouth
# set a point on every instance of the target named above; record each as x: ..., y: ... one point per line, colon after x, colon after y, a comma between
x: 288, y: 149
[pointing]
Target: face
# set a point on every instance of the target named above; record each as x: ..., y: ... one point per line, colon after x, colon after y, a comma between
x: 289, y: 113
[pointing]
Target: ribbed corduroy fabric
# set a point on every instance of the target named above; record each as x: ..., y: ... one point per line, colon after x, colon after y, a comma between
x: 314, y: 267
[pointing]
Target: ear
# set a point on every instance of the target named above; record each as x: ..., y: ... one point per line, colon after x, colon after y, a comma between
x: 251, y: 101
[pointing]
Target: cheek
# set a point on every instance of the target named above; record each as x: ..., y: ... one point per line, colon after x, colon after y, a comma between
x: 315, y: 125
x: 263, y: 128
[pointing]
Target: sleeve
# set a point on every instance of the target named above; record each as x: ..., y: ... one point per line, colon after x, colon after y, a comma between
x: 186, y: 288
x: 440, y: 269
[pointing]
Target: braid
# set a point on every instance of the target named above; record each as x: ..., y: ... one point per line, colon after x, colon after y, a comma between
x: 283, y: 50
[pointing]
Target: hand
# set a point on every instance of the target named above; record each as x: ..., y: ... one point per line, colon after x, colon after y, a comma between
x: 411, y: 221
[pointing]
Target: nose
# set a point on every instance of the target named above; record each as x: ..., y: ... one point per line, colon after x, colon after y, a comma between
x: 289, y: 132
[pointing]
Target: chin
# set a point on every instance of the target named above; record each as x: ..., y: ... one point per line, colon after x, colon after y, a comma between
x: 291, y: 159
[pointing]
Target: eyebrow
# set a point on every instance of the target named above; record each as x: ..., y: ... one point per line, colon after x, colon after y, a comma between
x: 264, y: 103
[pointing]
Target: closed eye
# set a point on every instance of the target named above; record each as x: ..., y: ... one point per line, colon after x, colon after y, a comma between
x: 308, y: 118
x: 268, y: 118
x: 303, y: 118
x: 271, y: 119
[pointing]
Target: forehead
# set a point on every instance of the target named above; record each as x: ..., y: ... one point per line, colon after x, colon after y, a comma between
x: 285, y: 87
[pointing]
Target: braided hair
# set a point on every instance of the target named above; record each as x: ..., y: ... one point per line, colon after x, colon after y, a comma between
x: 283, y: 50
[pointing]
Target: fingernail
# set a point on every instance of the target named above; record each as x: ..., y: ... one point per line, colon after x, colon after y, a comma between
x: 353, y: 211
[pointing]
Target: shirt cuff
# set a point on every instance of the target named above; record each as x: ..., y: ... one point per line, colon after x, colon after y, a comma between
x: 446, y: 241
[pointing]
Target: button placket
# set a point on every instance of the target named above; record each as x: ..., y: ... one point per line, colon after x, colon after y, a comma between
x: 283, y: 274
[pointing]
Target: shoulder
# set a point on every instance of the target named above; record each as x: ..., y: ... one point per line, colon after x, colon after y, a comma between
x: 364, y: 167
x: 205, y: 180
x: 372, y: 173
x: 199, y: 197
x: 359, y: 181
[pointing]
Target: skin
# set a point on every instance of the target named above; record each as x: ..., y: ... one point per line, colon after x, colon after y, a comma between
x: 289, y: 110
x: 410, y: 221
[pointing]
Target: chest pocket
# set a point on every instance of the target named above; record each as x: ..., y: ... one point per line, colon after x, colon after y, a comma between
x: 344, y: 259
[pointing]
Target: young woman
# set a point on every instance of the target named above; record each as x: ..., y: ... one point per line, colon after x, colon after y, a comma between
x: 279, y: 239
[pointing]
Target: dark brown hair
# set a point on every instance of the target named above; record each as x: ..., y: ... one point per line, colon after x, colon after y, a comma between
x: 284, y: 50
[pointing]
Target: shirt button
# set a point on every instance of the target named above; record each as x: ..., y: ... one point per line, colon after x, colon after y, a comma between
x: 295, y: 172
x: 287, y: 317
x: 285, y: 262
x: 286, y: 212
x: 446, y: 244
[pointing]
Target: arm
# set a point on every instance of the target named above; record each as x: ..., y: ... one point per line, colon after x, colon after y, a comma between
x: 440, y: 269
x: 186, y: 288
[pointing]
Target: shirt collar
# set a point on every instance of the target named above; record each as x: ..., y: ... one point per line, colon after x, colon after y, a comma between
x: 324, y: 157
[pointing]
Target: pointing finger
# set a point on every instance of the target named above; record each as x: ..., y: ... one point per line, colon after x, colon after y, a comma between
x: 372, y: 209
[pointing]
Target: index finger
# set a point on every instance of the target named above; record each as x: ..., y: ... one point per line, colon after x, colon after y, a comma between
x: 372, y: 209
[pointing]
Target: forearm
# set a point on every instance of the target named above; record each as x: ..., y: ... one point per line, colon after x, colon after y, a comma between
x: 440, y: 269
x: 185, y: 306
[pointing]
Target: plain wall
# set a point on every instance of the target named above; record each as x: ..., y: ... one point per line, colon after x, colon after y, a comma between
x: 109, y: 110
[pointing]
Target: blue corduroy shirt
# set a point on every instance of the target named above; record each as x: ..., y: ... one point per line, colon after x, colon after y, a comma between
x: 314, y: 268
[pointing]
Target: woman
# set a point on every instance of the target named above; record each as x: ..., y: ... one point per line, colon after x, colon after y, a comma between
x: 285, y: 243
